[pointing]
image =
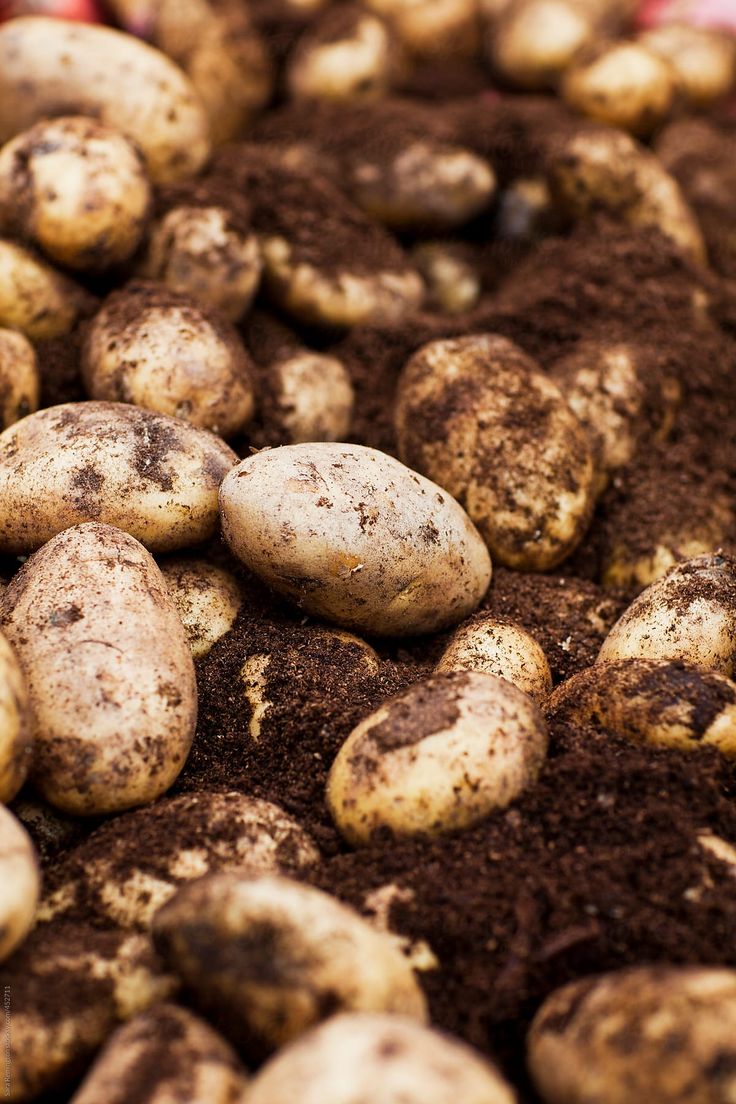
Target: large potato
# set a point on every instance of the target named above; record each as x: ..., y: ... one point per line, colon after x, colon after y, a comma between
x: 113, y: 707
x: 16, y: 735
x: 477, y: 415
x: 20, y: 880
x: 53, y: 67
x: 34, y: 297
x: 350, y: 534
x: 155, y: 477
x: 19, y: 380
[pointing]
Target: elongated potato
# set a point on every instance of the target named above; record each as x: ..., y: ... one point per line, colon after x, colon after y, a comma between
x: 16, y: 731
x: 621, y: 84
x: 20, y: 880
x: 155, y: 477
x: 19, y: 380
x: 52, y: 67
x: 113, y: 708
x: 703, y: 58
x: 34, y: 297
x: 208, y: 600
x: 495, y: 646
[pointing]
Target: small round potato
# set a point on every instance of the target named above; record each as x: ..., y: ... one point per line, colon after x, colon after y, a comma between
x: 19, y: 379
x: 703, y: 58
x: 155, y: 477
x: 21, y: 882
x: 688, y: 614
x: 497, y: 646
x: 440, y: 756
x: 531, y: 42
x: 34, y: 297
x: 113, y: 707
x: 621, y: 84
x: 348, y: 533
x: 662, y: 702
x: 453, y: 281
x: 268, y: 958
x: 477, y: 415
x: 207, y: 598
x: 160, y: 350
x: 16, y: 730
x: 432, y: 28
x: 313, y: 397
x: 402, y: 1062
x: 348, y: 55
x: 194, y: 1063
x: 659, y: 1033
x: 77, y: 189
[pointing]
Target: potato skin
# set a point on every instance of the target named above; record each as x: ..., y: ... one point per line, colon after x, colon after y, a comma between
x: 314, y: 397
x: 621, y: 84
x: 21, y: 882
x: 16, y: 733
x: 19, y: 379
x: 496, y: 646
x: 207, y: 598
x: 344, y: 58
x: 34, y: 297
x: 476, y: 415
x: 531, y: 42
x: 52, y: 67
x: 350, y: 534
x: 113, y: 709
x: 155, y: 477
x: 703, y: 58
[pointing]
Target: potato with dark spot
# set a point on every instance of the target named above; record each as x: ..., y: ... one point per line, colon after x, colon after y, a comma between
x: 440, y: 756
x: 113, y: 708
x: 313, y: 397
x: 35, y: 298
x: 268, y: 958
x: 452, y: 279
x: 531, y: 42
x: 19, y: 379
x: 21, y: 882
x: 659, y: 1033
x: 207, y: 598
x: 497, y: 646
x: 16, y: 730
x: 703, y: 58
x: 622, y: 84
x: 347, y: 55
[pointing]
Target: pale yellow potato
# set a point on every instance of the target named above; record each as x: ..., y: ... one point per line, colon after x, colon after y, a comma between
x: 271, y: 958
x: 433, y: 28
x: 16, y: 727
x: 440, y: 756
x: 196, y: 833
x: 54, y: 67
x: 155, y: 477
x: 666, y: 703
x: 688, y: 614
x: 314, y: 397
x: 162, y: 351
x: 34, y: 297
x: 602, y: 169
x: 478, y: 416
x: 207, y: 598
x: 703, y: 58
x: 622, y: 84
x: 401, y: 1061
x: 453, y: 282
x: 495, y: 646
x: 21, y: 882
x: 19, y: 379
x: 108, y: 668
x: 77, y: 189
x: 343, y: 59
x: 198, y: 251
x: 531, y: 42
x: 350, y: 534
x: 609, y: 1039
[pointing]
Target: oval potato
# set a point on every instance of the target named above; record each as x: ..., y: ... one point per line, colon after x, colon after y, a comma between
x: 16, y: 729
x: 496, y: 646
x: 704, y: 59
x: 621, y: 84
x: 34, y: 297
x: 19, y: 379
x: 345, y: 56
x: 452, y: 279
x: 313, y: 395
x: 531, y: 42
x: 21, y: 882
x: 432, y: 28
x: 208, y: 600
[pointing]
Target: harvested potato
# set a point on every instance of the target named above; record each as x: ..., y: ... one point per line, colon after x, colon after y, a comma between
x: 403, y: 1062
x: 113, y: 708
x: 531, y: 42
x: 347, y: 55
x: 77, y: 189
x: 21, y: 882
x: 51, y: 67
x: 440, y: 756
x: 610, y: 1038
x: 155, y: 348
x: 348, y: 533
x: 496, y: 646
x: 432, y: 28
x: 453, y: 281
x: 207, y: 598
x: 19, y: 379
x: 34, y: 297
x: 663, y: 702
x: 268, y: 958
x: 703, y: 58
x: 122, y: 886
x: 688, y: 614
x: 313, y: 396
x: 155, y: 477
x: 602, y: 169
x: 193, y: 1063
x: 525, y: 210
x: 16, y: 730
x: 622, y: 84
x: 478, y: 416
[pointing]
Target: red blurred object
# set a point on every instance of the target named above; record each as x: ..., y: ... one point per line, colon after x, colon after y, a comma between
x: 701, y: 13
x: 84, y: 11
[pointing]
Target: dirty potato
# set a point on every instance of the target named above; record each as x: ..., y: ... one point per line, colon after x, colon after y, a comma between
x: 155, y: 477
x: 440, y: 756
x: 350, y: 534
x: 16, y: 730
x: 432, y: 28
x: 478, y: 416
x: 21, y: 882
x: 610, y: 1038
x: 113, y: 709
x: 348, y: 55
x: 77, y: 189
x: 36, y: 299
x: 207, y: 598
x: 452, y: 280
x: 313, y: 397
x: 496, y: 646
x: 531, y: 42
x: 19, y: 378
x: 267, y: 958
x: 622, y: 84
x: 703, y: 58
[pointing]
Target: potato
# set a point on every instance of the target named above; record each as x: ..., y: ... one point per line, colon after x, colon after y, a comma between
x: 158, y: 349
x: 703, y: 58
x: 77, y: 189
x: 532, y: 42
x: 453, y: 281
x: 267, y: 958
x: 402, y: 1062
x: 192, y: 1061
x: 201, y: 252
x: 432, y: 28
x: 478, y: 416
x: 525, y: 210
x: 348, y: 533
x: 440, y: 756
x: 16, y: 730
x: 155, y: 477
x: 21, y: 882
x: 113, y: 708
x: 313, y: 397
x: 612, y: 1038
x: 688, y: 614
x: 19, y: 380
x: 667, y: 703
x: 496, y: 646
x: 622, y: 84
x: 207, y: 599
x: 348, y: 55
x: 600, y: 169
x: 34, y: 297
